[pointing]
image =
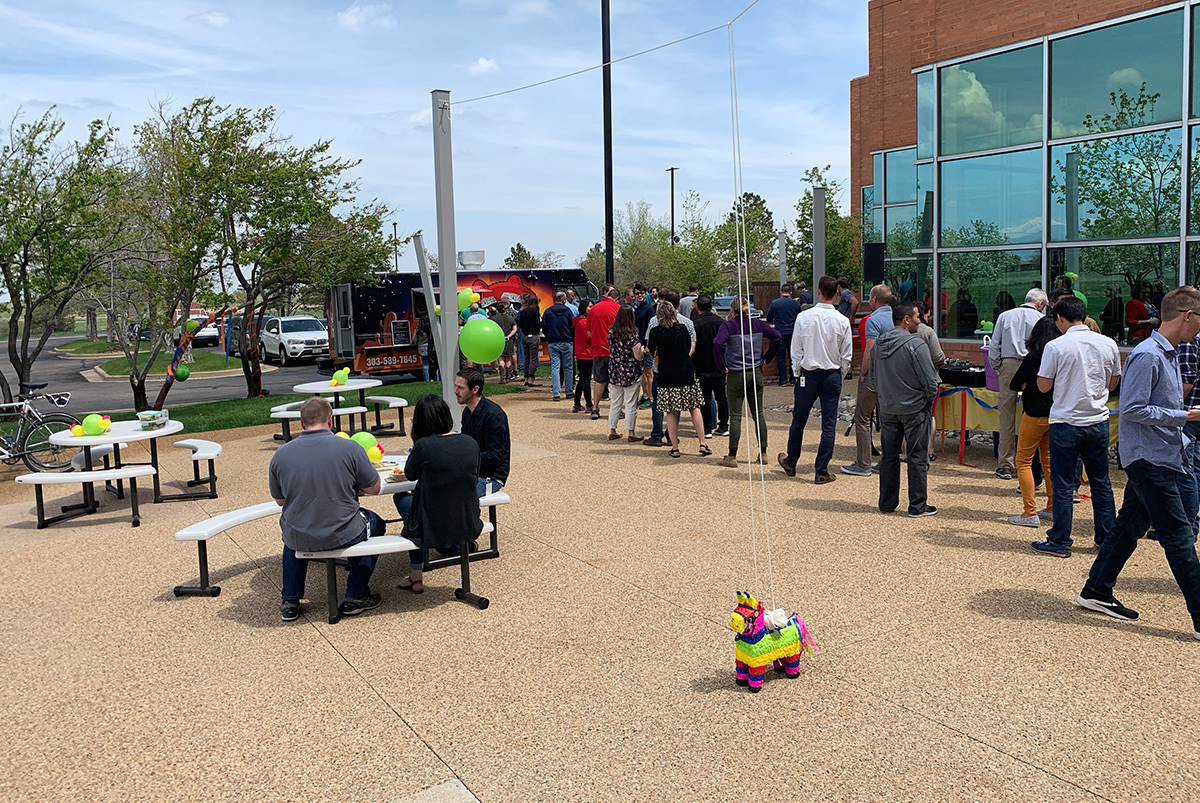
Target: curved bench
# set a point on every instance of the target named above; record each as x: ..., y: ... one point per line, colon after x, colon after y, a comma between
x: 38, y: 479
x: 79, y: 463
x: 384, y: 545
x: 392, y: 403
x: 204, y: 530
x: 201, y: 450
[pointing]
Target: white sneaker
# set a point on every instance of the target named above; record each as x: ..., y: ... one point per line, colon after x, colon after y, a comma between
x: 1046, y: 516
x: 856, y: 470
x: 1024, y: 521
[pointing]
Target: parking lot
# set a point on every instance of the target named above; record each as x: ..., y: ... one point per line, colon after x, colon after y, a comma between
x: 64, y: 374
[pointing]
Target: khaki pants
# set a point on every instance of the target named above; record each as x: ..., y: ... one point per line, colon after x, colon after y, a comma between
x: 1008, y: 412
x: 864, y: 406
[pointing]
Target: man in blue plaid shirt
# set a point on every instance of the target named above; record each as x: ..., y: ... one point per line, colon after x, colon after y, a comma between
x: 1189, y: 483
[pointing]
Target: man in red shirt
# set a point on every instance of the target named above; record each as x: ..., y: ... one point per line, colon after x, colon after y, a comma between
x: 600, y: 320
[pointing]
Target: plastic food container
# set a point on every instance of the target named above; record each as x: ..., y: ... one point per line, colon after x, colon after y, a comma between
x: 154, y: 419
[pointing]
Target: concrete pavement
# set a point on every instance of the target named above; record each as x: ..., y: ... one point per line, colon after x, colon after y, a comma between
x: 953, y: 665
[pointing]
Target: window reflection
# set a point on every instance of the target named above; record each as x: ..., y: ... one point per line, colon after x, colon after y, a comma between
x: 1116, y: 187
x: 992, y: 102
x: 871, y: 215
x: 992, y: 200
x: 978, y: 285
x: 1121, y: 285
x: 877, y: 166
x: 901, y: 177
x: 1092, y: 72
x: 926, y: 109
x: 902, y: 230
x: 1194, y: 200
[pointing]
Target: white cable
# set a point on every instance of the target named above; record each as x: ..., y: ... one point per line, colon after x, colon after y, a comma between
x: 608, y: 63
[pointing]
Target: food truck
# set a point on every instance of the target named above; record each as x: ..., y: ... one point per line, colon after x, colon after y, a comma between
x: 373, y: 326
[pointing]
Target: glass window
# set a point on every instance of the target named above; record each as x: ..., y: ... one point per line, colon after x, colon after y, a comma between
x: 1195, y: 56
x: 877, y: 165
x: 902, y: 230
x: 1193, y: 258
x: 978, y: 285
x: 992, y: 102
x: 992, y: 200
x: 898, y: 273
x: 870, y: 214
x: 1117, y: 77
x: 1194, y: 200
x: 926, y: 108
x: 1118, y: 283
x: 1116, y: 187
x: 901, y: 177
x: 924, y: 181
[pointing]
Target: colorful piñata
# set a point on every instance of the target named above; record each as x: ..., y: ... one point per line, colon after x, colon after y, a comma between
x: 766, y: 638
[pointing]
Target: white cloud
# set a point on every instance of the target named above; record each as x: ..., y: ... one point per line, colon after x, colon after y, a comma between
x: 213, y: 19
x: 1129, y: 77
x: 358, y: 16
x: 483, y: 65
x: 525, y: 10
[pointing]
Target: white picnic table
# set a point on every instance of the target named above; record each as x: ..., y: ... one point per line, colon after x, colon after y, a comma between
x: 354, y: 383
x: 119, y: 432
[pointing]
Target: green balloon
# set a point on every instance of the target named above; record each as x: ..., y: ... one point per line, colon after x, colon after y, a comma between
x: 192, y: 325
x: 182, y: 372
x: 364, y: 439
x: 464, y: 299
x: 481, y: 340
x: 92, y: 425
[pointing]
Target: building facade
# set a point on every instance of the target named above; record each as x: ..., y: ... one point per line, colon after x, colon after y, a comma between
x: 997, y: 147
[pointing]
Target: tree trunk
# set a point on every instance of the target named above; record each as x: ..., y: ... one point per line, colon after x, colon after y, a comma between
x: 140, y: 402
x: 92, y: 333
x: 110, y: 321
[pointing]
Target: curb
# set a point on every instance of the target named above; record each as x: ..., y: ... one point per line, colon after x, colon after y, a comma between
x: 98, y: 375
x: 103, y: 357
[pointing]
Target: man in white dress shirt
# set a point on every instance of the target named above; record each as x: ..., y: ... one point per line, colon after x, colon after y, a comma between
x: 1005, y: 354
x: 822, y: 347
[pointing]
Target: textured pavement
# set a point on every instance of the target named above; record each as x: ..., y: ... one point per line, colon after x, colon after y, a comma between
x: 953, y: 664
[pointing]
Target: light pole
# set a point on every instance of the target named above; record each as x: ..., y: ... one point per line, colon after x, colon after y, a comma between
x: 672, y: 170
x: 395, y: 248
x: 606, y: 58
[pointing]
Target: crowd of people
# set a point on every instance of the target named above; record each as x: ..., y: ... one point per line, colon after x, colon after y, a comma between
x: 670, y: 354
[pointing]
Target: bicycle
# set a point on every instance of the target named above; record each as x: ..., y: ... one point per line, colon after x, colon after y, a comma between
x: 30, y: 438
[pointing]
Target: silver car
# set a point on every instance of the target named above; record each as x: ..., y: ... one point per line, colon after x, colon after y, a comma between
x: 292, y: 338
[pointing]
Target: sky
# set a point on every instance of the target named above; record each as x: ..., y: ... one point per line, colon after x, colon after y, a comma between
x: 528, y: 166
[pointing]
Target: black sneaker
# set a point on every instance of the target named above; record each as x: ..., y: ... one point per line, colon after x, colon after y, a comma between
x: 353, y: 607
x: 1004, y: 473
x: 1105, y: 604
x: 929, y: 510
x: 721, y: 432
x: 289, y: 610
x: 595, y: 413
x: 1196, y: 627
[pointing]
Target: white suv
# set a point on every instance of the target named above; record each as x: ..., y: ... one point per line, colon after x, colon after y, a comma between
x: 293, y: 337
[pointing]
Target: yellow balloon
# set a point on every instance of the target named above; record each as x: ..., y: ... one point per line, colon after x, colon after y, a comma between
x: 437, y: 309
x: 77, y: 430
x: 475, y: 298
x: 343, y: 435
x: 374, y: 454
x: 333, y: 383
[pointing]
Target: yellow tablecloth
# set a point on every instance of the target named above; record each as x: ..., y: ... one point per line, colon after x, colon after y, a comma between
x: 982, y: 411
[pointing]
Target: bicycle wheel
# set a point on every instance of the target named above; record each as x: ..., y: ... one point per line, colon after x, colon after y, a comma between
x: 41, y: 455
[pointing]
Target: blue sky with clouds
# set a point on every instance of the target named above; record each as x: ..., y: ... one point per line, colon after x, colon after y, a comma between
x: 528, y: 166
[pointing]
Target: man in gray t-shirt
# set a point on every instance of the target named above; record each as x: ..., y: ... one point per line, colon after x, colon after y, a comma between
x: 317, y: 478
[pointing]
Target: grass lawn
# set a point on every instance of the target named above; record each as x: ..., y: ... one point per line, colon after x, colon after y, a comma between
x: 236, y: 413
x: 90, y: 347
x: 205, y: 361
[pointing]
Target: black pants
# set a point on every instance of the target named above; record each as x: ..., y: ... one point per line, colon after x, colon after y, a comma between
x: 899, y: 431
x: 812, y: 387
x: 713, y: 387
x: 533, y: 345
x: 583, y: 381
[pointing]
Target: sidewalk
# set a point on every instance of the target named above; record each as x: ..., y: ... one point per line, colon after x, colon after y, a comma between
x: 953, y: 664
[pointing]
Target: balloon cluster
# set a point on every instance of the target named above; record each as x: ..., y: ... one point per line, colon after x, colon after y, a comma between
x: 368, y: 442
x: 339, y: 377
x: 466, y: 298
x: 94, y: 424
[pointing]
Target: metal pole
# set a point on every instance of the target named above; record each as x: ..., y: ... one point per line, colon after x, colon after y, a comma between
x: 443, y: 181
x: 818, y: 228
x: 606, y: 57
x: 672, y: 170
x: 1072, y: 203
x: 783, y: 258
x: 395, y: 248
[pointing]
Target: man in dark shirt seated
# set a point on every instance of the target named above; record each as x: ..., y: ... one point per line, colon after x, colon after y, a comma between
x: 485, y: 421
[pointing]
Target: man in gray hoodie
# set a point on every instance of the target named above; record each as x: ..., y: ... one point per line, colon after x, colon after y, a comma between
x: 906, y: 381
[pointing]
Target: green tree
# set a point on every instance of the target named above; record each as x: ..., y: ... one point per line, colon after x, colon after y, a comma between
x: 695, y: 259
x: 520, y: 260
x: 750, y: 226
x: 60, y: 222
x: 843, y: 233
x: 592, y: 264
x: 639, y: 240
x: 286, y: 215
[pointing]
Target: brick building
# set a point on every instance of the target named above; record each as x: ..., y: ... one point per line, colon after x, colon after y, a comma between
x: 999, y: 146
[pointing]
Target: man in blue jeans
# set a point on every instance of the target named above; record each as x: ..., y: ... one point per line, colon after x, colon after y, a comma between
x: 317, y: 478
x: 1152, y: 446
x: 560, y: 337
x: 821, y: 350
x: 1080, y: 368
